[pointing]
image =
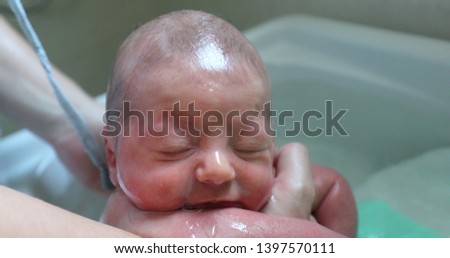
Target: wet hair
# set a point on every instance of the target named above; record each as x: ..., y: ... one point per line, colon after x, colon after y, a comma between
x: 172, y: 38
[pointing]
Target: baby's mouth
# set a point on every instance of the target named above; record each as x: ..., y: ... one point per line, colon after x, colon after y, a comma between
x: 211, y: 205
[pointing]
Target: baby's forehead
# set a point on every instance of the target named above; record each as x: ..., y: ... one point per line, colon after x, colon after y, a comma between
x: 172, y: 83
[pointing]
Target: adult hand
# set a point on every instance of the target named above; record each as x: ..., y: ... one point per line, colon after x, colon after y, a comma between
x: 293, y: 192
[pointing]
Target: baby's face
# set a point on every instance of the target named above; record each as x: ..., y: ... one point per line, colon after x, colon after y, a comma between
x: 216, y: 168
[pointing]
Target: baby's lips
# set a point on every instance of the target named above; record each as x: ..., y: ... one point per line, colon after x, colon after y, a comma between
x: 212, y: 205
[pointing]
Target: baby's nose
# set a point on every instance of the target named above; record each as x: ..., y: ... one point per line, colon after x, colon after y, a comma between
x: 215, y: 169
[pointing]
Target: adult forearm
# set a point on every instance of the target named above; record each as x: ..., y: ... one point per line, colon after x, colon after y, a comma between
x: 27, y: 98
x: 25, y: 93
x: 25, y: 216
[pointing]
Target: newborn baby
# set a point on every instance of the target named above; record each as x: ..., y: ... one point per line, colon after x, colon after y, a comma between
x: 189, y: 154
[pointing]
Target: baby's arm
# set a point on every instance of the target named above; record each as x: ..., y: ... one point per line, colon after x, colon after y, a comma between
x: 334, y: 206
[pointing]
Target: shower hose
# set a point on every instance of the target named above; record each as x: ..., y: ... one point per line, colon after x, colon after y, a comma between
x: 90, y: 144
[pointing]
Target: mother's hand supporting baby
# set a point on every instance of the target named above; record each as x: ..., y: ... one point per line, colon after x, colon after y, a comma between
x: 293, y: 192
x: 311, y: 192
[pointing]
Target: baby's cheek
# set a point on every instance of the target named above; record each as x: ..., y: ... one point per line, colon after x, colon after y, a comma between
x: 266, y: 188
x: 153, y: 190
x: 258, y: 186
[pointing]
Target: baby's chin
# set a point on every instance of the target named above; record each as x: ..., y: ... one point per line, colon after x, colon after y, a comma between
x: 207, y: 219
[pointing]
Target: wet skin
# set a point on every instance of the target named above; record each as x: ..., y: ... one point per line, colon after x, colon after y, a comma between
x: 208, y: 186
x: 334, y: 208
x: 174, y: 172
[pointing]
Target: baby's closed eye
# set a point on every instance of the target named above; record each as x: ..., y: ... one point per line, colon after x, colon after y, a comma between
x: 250, y: 149
x: 174, y: 151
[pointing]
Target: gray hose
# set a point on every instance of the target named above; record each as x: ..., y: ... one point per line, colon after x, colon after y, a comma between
x: 91, y: 146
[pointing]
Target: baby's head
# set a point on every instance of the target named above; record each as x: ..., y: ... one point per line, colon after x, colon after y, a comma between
x: 201, y: 86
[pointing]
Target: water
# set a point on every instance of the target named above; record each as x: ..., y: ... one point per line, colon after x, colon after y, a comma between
x: 383, y: 128
x: 397, y: 150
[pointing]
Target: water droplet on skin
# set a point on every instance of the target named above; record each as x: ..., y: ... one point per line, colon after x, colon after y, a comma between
x: 240, y: 226
x: 273, y: 199
x: 201, y: 225
x: 128, y: 193
x: 213, y: 231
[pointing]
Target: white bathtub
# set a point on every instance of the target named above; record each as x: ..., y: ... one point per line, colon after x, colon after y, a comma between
x: 396, y: 88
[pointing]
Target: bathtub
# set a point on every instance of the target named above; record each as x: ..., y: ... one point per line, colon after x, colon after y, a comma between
x: 394, y: 89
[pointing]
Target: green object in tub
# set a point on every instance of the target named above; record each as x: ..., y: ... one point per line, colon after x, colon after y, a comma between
x: 379, y: 219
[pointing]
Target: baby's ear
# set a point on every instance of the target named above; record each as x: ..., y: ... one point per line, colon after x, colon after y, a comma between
x: 111, y: 159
